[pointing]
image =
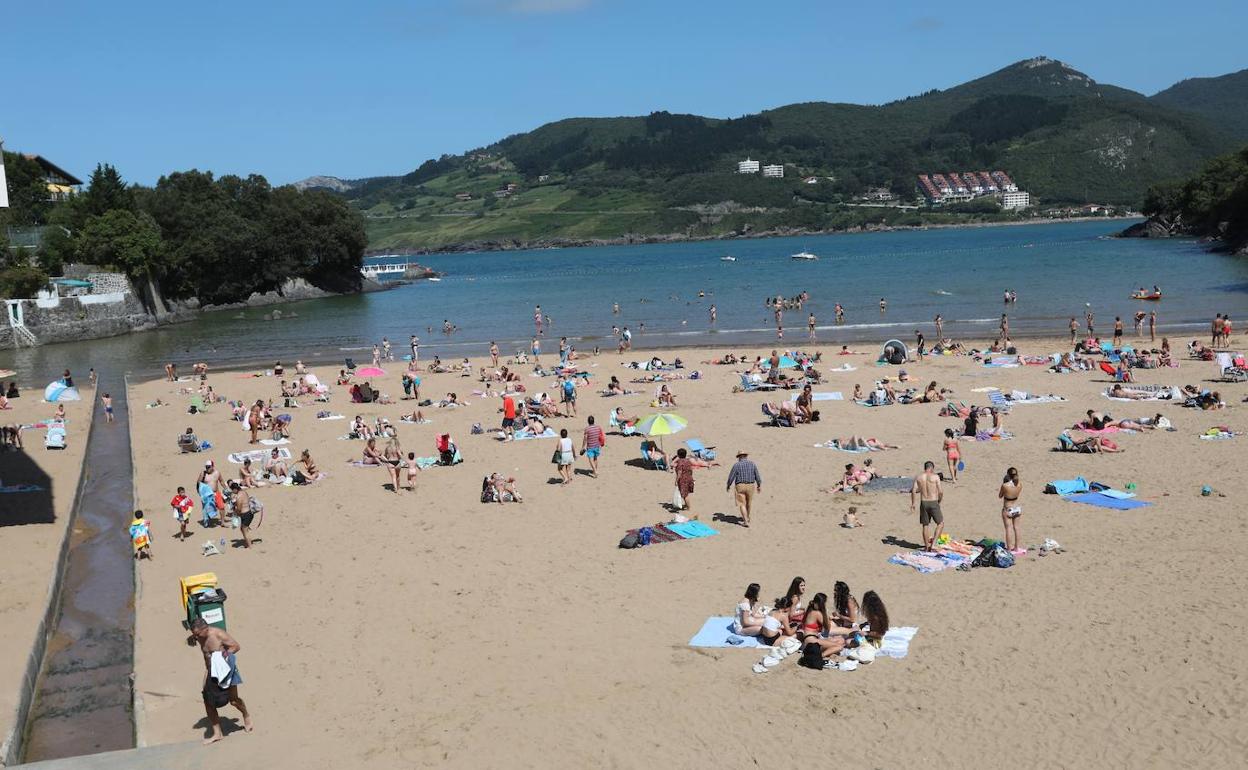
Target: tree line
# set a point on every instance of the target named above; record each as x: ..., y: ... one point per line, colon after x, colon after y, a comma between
x: 1211, y: 203
x: 192, y: 235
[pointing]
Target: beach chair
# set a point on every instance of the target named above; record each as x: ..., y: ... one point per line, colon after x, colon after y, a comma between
x: 658, y: 464
x: 700, y: 450
x: 625, y: 430
x: 1067, y: 444
x: 778, y: 418
x: 55, y: 439
x: 748, y: 385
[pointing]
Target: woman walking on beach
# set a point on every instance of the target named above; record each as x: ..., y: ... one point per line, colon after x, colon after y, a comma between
x: 565, y: 456
x: 952, y: 453
x: 1011, y: 511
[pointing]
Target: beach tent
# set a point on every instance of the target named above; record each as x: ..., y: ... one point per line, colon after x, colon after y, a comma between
x: 59, y: 391
x: 894, y: 352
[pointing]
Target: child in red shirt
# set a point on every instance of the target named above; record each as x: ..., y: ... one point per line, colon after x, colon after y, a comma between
x: 182, y: 506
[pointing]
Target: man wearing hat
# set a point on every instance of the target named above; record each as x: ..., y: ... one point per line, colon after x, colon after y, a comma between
x: 745, y: 481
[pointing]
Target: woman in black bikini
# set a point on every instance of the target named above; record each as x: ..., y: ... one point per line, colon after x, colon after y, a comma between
x: 1011, y: 511
x: 392, y: 458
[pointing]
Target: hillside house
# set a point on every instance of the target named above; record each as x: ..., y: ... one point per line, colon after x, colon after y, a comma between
x: 61, y: 184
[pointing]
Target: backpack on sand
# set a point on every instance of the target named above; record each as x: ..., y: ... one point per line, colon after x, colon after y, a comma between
x: 630, y: 541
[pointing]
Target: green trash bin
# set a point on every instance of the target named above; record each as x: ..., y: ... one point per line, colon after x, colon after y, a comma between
x: 208, y: 604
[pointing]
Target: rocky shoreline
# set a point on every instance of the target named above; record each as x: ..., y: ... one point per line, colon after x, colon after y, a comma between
x: 1164, y: 227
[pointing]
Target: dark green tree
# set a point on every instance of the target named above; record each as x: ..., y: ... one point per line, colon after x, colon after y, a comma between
x: 28, y: 191
x: 130, y: 242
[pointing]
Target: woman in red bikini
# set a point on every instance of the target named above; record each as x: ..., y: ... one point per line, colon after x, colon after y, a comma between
x: 952, y: 453
x: 817, y: 628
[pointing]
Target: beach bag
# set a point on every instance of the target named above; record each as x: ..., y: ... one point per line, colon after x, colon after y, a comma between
x: 645, y: 535
x: 677, y: 501
x: 214, y: 694
x: 298, y: 478
x: 1002, y: 558
x: 986, y: 558
x: 193, y: 409
x: 554, y: 458
x: 630, y: 541
x: 477, y: 429
x: 812, y: 656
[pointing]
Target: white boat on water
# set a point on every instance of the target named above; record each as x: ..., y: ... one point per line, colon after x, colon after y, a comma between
x: 435, y: 279
x: 727, y: 259
x: 805, y: 255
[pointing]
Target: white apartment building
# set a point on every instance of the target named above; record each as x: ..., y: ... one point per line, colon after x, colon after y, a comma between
x: 748, y: 166
x: 1015, y: 200
x: 774, y: 171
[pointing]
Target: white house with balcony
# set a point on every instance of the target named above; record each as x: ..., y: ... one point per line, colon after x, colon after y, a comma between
x: 775, y: 171
x: 748, y: 166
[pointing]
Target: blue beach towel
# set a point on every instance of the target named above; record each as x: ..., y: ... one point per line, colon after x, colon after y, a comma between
x: 1102, y: 500
x: 717, y: 632
x: 1068, y: 486
x: 692, y: 529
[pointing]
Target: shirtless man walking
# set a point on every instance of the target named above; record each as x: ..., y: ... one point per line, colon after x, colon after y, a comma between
x: 930, y: 493
x: 212, y: 639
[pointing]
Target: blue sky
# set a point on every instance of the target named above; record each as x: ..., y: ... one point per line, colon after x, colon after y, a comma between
x: 362, y: 88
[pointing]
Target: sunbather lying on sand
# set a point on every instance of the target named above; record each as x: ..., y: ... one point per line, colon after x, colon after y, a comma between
x: 1120, y: 392
x: 858, y: 442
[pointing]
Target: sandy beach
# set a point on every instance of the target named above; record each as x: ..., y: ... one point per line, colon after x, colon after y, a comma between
x: 32, y: 526
x: 427, y: 628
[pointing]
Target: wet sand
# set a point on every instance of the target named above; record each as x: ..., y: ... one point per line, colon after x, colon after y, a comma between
x: 384, y: 630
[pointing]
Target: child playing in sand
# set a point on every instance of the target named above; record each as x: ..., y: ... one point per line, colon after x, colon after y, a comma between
x: 850, y: 520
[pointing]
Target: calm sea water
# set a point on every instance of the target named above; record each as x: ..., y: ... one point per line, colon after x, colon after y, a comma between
x: 958, y: 273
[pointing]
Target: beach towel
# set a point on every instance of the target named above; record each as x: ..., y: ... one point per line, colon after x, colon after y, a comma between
x: 256, y: 455
x: 524, y: 435
x: 1020, y: 397
x: 16, y: 488
x: 896, y: 642
x: 333, y: 417
x: 997, y: 398
x: 717, y: 632
x: 1102, y: 500
x: 271, y: 442
x: 926, y: 563
x: 843, y: 368
x: 835, y: 444
x: 1003, y: 362
x: 1217, y: 434
x: 985, y: 435
x: 889, y: 484
x: 826, y: 396
x: 692, y: 529
x: 1067, y: 486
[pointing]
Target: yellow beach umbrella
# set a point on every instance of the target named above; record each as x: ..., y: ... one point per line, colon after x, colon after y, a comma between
x: 661, y: 424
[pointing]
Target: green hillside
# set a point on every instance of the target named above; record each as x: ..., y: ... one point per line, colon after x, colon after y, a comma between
x: 1222, y: 100
x: 1061, y: 135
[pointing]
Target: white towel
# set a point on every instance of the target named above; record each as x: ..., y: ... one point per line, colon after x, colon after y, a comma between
x: 219, y: 667
x: 896, y: 642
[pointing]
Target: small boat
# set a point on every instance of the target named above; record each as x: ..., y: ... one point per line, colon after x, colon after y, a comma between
x: 435, y: 279
x: 1152, y: 297
x: 804, y: 255
x: 727, y: 259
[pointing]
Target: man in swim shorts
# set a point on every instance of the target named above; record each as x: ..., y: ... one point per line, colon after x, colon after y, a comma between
x: 592, y: 443
x: 930, y: 493
x: 509, y: 417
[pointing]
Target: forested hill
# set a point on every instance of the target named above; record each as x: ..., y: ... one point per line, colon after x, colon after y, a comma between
x: 1211, y: 204
x: 1222, y: 100
x: 1061, y: 135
